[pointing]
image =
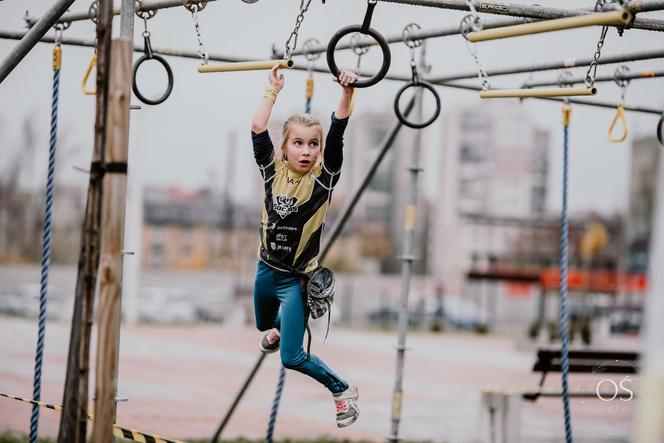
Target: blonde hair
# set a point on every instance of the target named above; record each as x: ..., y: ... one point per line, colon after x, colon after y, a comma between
x: 306, y: 120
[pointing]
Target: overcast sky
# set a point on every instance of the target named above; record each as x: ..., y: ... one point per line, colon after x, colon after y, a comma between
x: 183, y: 141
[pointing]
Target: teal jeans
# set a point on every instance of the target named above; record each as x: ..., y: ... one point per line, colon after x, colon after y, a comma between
x: 278, y: 304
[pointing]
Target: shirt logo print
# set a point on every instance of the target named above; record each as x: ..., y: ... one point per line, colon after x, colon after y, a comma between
x: 285, y: 205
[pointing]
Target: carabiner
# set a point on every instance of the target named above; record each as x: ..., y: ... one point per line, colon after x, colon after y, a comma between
x: 86, y: 76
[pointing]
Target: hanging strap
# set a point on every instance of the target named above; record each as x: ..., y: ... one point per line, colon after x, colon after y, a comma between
x: 46, y: 242
x: 564, y: 251
x: 619, y: 117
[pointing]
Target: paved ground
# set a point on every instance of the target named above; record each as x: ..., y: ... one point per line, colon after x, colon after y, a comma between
x: 181, y: 379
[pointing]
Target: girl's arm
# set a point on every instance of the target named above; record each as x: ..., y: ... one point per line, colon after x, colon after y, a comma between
x: 346, y: 80
x: 262, y: 115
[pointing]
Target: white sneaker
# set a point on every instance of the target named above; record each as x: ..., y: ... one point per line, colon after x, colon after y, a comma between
x: 270, y: 342
x: 347, y: 408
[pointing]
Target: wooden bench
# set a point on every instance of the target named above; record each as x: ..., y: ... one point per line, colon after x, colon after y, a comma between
x: 503, y: 405
x: 583, y: 362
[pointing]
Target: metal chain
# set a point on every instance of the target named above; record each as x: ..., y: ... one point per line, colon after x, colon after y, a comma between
x: 202, y: 52
x: 481, y: 73
x: 292, y: 39
x: 592, y: 69
x: 412, y: 44
x: 473, y: 23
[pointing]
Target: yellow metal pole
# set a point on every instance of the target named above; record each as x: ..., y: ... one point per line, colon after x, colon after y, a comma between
x: 537, y: 92
x: 246, y: 66
x: 615, y: 18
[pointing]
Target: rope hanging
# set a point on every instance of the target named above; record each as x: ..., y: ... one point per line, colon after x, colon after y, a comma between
x: 564, y: 249
x: 46, y: 243
x: 275, y: 405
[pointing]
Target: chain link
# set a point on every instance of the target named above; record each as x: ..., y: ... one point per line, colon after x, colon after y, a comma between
x: 202, y: 52
x: 592, y: 69
x: 292, y: 39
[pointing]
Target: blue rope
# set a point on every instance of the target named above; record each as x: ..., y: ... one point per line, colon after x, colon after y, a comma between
x: 307, y: 106
x: 564, y: 250
x: 275, y: 405
x: 46, y: 256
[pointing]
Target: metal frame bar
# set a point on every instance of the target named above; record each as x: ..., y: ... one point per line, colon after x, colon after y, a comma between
x: 224, y: 58
x: 642, y: 23
x: 246, y: 66
x: 565, y: 64
x: 148, y: 5
x: 641, y: 75
x: 30, y: 38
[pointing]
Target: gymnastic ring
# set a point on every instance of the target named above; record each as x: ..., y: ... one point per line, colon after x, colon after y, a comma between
x: 169, y: 72
x: 387, y: 56
x: 402, y: 118
x: 660, y: 130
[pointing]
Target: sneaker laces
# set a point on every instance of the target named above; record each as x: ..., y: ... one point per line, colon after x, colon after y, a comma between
x: 273, y: 337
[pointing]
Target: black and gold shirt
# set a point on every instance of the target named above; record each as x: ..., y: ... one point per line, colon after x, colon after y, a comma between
x: 295, y: 203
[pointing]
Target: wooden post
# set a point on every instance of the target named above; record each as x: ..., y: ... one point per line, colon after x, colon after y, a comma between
x: 73, y: 421
x: 113, y: 212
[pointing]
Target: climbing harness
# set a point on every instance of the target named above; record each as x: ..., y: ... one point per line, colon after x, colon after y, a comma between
x: 473, y: 23
x: 195, y: 6
x: 311, y: 57
x: 291, y: 43
x: 564, y: 262
x: 364, y: 29
x: 149, y: 55
x: 415, y: 82
x: 621, y: 80
x: 46, y: 238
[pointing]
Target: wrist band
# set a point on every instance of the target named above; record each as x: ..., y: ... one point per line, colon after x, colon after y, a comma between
x: 271, y: 93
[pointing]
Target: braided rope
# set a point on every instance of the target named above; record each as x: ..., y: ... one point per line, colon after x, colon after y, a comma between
x: 307, y: 106
x: 46, y: 257
x: 564, y: 250
x: 275, y: 405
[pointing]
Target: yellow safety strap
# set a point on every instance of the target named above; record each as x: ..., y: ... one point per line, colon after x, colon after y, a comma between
x: 86, y: 76
x: 567, y: 114
x: 57, y: 57
x: 310, y: 86
x: 620, y: 115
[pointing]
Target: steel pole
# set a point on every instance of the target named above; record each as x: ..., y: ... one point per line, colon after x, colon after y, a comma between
x: 153, y: 5
x: 31, y: 37
x: 407, y: 258
x: 650, y: 407
x: 647, y: 24
x: 352, y: 201
x: 226, y: 58
x: 642, y: 75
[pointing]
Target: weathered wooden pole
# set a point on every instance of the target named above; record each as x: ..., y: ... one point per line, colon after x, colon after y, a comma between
x: 73, y: 421
x: 112, y: 235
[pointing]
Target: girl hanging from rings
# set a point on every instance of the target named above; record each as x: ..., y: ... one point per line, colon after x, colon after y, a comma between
x: 299, y: 179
